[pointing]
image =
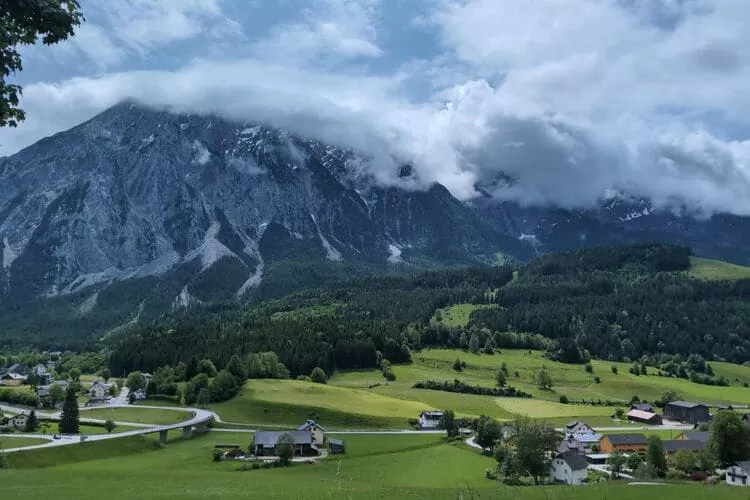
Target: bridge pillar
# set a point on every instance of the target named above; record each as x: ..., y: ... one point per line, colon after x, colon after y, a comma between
x: 187, y: 432
x: 163, y: 436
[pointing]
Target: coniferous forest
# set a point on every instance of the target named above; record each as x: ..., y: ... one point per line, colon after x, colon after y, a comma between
x: 618, y: 303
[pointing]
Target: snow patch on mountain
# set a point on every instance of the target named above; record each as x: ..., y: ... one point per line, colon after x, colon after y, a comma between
x: 211, y: 250
x: 331, y: 252
x: 395, y: 254
x: 636, y: 214
x: 253, y: 281
x: 8, y: 254
x: 202, y: 155
x: 183, y: 300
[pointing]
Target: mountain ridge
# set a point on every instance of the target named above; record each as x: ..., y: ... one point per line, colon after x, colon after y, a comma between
x: 172, y: 209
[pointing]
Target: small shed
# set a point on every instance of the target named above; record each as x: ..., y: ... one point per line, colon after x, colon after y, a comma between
x: 644, y: 417
x: 337, y: 446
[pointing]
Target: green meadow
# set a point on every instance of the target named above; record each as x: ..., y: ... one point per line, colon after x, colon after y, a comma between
x: 376, y: 467
x: 364, y: 399
x: 138, y: 415
x: 717, y: 270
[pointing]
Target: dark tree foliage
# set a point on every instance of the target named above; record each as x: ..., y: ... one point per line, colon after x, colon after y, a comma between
x: 464, y: 388
x: 69, y: 415
x: 25, y: 22
x: 617, y: 303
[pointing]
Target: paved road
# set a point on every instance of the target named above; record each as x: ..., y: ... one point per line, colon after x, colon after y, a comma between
x: 121, y: 399
x: 199, y: 417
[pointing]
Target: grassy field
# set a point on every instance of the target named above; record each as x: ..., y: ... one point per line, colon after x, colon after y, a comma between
x: 292, y: 402
x: 415, y: 467
x: 717, y: 270
x: 457, y: 315
x: 18, y: 442
x: 363, y: 398
x: 138, y: 415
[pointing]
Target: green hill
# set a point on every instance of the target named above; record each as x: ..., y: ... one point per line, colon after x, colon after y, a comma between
x: 717, y: 270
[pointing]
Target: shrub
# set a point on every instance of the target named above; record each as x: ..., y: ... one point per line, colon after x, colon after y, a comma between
x: 218, y: 455
x: 597, y: 380
x: 698, y: 476
x: 458, y: 386
x: 413, y: 422
x: 304, y: 378
x: 673, y: 474
x: 255, y: 466
x: 318, y: 375
x: 564, y: 399
x: 490, y: 474
x: 588, y: 367
x: 614, y: 369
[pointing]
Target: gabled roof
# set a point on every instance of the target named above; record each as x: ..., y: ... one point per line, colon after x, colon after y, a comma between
x: 643, y: 407
x: 14, y: 376
x: 574, y: 460
x: 575, y: 423
x: 627, y: 438
x: 744, y: 465
x: 269, y: 439
x: 432, y: 413
x: 336, y: 442
x: 675, y: 445
x: 642, y: 415
x: 308, y: 424
x: 702, y: 436
x: 685, y: 404
x: 568, y: 444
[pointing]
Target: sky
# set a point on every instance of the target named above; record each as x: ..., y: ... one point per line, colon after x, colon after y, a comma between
x: 572, y: 99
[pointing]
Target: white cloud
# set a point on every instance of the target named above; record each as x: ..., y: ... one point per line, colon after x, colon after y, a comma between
x: 570, y: 98
x: 335, y: 30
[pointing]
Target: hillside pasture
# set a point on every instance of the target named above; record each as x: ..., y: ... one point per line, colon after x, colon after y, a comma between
x: 717, y: 270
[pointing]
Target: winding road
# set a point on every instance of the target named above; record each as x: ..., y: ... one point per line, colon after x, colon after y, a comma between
x: 198, y: 417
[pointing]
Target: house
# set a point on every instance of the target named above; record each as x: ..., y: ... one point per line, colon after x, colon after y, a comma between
x: 139, y: 394
x: 337, y: 446
x: 19, y: 369
x: 316, y: 431
x: 644, y: 417
x: 589, y: 440
x: 628, y: 443
x: 737, y: 474
x: 702, y: 436
x: 43, y: 390
x: 576, y: 428
x: 12, y: 378
x: 430, y: 419
x: 643, y: 407
x: 98, y: 391
x: 570, y: 445
x: 266, y: 441
x: 672, y: 446
x: 569, y: 468
x: 684, y: 411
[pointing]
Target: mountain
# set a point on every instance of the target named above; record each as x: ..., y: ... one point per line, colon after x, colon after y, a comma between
x: 138, y: 212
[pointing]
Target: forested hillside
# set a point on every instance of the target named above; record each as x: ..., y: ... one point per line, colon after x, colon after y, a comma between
x: 619, y: 303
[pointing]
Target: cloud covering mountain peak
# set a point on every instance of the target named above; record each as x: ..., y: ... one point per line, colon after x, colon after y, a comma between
x: 569, y: 98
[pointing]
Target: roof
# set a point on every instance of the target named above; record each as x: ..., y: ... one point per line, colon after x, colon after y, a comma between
x: 15, y: 376
x: 627, y: 438
x: 336, y: 442
x: 574, y: 460
x: 435, y: 413
x: 309, y: 424
x: 268, y: 439
x: 591, y: 437
x: 574, y: 423
x: 685, y: 404
x: 744, y: 465
x: 675, y: 445
x: 702, y: 436
x: 642, y: 407
x: 642, y: 415
x: 569, y: 443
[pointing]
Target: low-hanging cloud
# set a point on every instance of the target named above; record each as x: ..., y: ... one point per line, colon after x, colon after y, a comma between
x: 570, y: 100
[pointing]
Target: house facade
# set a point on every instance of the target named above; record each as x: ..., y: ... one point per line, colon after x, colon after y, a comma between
x: 19, y: 421
x: 569, y: 468
x: 430, y: 419
x: 739, y: 474
x: 626, y: 443
x: 685, y: 411
x: 11, y: 378
x: 577, y: 428
x: 98, y: 391
x: 571, y: 445
x: 317, y: 431
x: 672, y: 446
x: 266, y: 442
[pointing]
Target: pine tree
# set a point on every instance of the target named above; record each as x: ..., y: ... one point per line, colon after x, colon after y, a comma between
x: 31, y: 423
x: 69, y: 416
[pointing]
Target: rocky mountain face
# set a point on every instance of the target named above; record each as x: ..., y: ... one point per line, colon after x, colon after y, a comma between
x: 151, y: 211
